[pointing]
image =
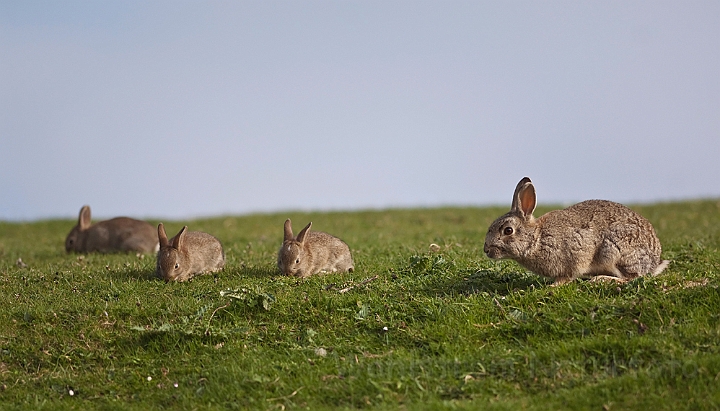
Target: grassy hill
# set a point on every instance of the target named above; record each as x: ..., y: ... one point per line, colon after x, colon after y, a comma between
x: 410, y: 328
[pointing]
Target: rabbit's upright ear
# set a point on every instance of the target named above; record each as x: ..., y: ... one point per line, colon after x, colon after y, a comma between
x: 84, y: 218
x: 524, y: 199
x: 303, y: 233
x: 162, y: 237
x: 178, y: 240
x: 288, y: 230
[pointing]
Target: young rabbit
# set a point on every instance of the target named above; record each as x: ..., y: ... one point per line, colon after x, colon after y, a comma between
x: 187, y: 254
x: 312, y: 252
x: 119, y: 234
x: 594, y: 238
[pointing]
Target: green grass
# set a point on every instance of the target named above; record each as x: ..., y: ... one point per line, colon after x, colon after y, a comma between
x: 463, y: 332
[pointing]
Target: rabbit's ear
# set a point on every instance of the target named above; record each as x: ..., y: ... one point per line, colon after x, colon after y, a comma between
x: 178, y: 240
x: 303, y: 233
x: 84, y: 218
x: 524, y: 199
x: 288, y: 230
x: 162, y: 237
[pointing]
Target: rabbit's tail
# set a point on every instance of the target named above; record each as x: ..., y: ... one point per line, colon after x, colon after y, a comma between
x: 662, y: 266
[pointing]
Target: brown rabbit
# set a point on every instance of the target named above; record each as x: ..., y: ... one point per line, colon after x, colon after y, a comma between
x: 119, y: 234
x: 312, y: 252
x: 594, y: 238
x: 187, y: 254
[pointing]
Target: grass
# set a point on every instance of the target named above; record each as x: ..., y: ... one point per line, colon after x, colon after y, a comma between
x: 418, y: 330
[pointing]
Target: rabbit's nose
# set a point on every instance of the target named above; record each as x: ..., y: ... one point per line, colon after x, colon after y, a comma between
x: 486, y: 249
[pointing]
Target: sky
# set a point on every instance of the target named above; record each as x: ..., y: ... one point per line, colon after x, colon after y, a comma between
x: 184, y: 109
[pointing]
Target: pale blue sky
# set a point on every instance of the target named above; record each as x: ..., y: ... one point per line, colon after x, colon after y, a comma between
x: 180, y: 109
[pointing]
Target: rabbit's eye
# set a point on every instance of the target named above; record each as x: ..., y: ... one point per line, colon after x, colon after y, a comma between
x: 177, y: 266
x: 297, y: 261
x: 508, y: 231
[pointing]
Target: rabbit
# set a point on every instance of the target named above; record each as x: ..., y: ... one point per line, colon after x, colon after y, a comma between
x: 312, y: 252
x: 121, y: 234
x: 595, y: 238
x: 187, y: 254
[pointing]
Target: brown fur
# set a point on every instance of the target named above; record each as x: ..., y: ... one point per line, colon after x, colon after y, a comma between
x: 312, y: 252
x: 589, y: 239
x: 121, y: 234
x: 187, y: 254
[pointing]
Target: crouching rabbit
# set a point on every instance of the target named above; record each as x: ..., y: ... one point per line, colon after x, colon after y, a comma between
x: 312, y: 252
x: 187, y: 254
